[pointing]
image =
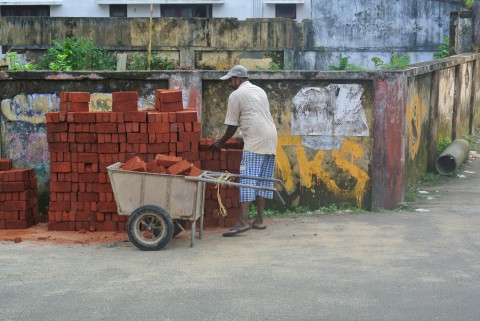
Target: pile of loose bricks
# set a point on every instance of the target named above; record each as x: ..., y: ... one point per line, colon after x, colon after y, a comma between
x: 82, y: 144
x: 18, y: 196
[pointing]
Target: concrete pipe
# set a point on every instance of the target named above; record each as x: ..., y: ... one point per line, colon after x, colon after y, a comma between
x: 453, y: 156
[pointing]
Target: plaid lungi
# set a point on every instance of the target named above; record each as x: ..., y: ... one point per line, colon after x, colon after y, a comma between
x: 256, y: 165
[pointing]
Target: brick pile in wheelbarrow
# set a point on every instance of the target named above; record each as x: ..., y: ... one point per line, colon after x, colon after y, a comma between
x: 82, y: 144
x: 162, y: 164
x: 18, y: 196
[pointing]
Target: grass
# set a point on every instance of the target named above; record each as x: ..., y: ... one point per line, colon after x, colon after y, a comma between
x: 302, y: 211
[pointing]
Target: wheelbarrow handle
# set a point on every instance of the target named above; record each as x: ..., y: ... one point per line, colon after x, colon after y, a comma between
x: 212, y: 177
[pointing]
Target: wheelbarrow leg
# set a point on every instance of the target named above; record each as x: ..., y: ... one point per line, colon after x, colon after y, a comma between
x: 200, y: 230
x: 192, y: 234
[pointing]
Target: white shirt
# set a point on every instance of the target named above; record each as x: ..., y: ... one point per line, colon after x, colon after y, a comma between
x: 248, y: 108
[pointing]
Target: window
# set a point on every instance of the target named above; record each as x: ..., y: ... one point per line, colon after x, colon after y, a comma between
x: 118, y: 10
x: 186, y: 10
x: 286, y: 11
x: 25, y: 11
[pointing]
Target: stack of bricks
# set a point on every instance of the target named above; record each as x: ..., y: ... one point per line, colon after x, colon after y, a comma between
x: 18, y: 196
x: 82, y: 144
x: 227, y: 159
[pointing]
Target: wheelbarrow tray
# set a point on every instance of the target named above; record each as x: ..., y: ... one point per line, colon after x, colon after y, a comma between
x: 182, y: 199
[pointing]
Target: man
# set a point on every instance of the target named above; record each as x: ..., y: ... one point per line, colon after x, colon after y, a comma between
x: 249, y: 109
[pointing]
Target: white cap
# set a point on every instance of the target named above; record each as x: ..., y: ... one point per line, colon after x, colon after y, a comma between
x: 237, y: 71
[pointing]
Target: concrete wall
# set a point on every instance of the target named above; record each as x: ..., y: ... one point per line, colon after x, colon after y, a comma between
x: 365, y: 29
x: 354, y: 139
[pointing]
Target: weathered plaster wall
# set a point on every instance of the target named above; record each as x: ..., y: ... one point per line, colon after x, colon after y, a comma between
x: 462, y: 112
x: 446, y: 102
x: 417, y: 122
x: 369, y: 28
x: 324, y: 128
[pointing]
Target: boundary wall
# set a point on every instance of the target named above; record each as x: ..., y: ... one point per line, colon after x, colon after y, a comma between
x: 346, y: 138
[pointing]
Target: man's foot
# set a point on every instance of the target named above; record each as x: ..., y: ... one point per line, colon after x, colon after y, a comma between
x: 236, y: 230
x: 258, y: 226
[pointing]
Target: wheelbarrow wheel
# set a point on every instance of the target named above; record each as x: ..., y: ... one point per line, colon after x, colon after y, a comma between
x: 150, y: 228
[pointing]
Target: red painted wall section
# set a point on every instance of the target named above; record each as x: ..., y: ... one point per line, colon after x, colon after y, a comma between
x: 388, y: 143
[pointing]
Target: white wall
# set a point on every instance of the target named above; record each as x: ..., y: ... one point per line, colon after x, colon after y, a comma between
x: 233, y: 9
x: 241, y: 10
x: 79, y: 8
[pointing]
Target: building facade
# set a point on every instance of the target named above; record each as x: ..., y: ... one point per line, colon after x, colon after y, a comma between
x: 295, y: 9
x: 329, y: 29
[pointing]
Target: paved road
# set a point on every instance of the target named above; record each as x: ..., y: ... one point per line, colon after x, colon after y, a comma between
x: 369, y: 266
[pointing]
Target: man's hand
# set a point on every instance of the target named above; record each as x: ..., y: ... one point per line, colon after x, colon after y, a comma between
x: 229, y: 132
x: 216, y: 145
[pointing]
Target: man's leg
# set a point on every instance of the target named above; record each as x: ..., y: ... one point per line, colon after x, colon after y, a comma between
x: 243, y: 218
x: 258, y: 222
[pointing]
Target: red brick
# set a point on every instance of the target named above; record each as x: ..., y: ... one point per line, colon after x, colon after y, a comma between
x: 106, y: 128
x: 51, y: 117
x: 60, y: 167
x: 166, y: 160
x: 74, y: 106
x: 10, y: 206
x: 87, y: 157
x: 57, y: 127
x: 58, y: 147
x: 10, y: 187
x: 112, y: 148
x: 135, y: 116
x: 60, y: 187
x: 137, y: 138
x: 168, y: 95
x: 154, y: 167
x: 169, y: 107
x: 157, y: 148
x: 122, y: 96
x: 135, y: 164
x: 195, y: 171
x: 158, y: 128
x: 189, y: 137
x: 125, y: 106
x: 179, y: 168
x: 84, y: 117
x: 187, y: 115
x: 75, y: 96
x: 88, y: 138
x: 6, y: 164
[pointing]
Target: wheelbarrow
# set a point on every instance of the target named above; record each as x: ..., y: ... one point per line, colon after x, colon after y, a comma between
x: 159, y: 205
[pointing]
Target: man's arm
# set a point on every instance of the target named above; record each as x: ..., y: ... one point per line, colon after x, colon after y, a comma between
x: 229, y: 132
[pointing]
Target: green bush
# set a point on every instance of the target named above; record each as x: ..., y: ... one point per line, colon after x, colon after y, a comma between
x: 15, y: 65
x: 76, y: 54
x: 443, y: 143
x: 140, y: 62
x: 344, y: 65
x: 395, y: 62
x: 443, y: 49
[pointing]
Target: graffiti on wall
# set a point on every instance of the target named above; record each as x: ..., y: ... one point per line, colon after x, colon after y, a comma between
x: 29, y: 107
x: 32, y: 108
x: 103, y: 102
x: 309, y: 168
x: 321, y: 119
x: 416, y: 113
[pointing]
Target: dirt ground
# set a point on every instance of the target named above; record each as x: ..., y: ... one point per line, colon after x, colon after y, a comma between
x: 40, y: 233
